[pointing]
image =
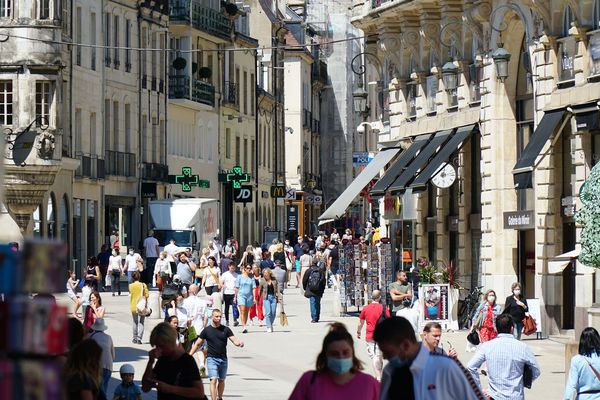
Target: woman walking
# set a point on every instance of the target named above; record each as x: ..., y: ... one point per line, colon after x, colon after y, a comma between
x: 338, y: 372
x: 211, y: 276
x: 247, y: 257
x: 256, y: 311
x: 583, y: 382
x: 94, y: 311
x: 162, y: 271
x: 115, y: 267
x: 92, y: 273
x: 82, y: 372
x: 244, y: 294
x: 279, y: 254
x: 72, y: 283
x: 485, y: 317
x: 137, y: 291
x: 516, y: 306
x: 269, y: 291
x: 201, y: 267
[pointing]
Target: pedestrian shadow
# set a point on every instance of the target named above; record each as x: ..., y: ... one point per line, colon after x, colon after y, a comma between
x: 130, y: 354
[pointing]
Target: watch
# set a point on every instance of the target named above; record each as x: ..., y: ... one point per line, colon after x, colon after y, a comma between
x: 444, y: 176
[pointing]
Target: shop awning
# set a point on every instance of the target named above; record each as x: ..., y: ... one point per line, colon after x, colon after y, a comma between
x: 398, y: 166
x: 551, y: 122
x: 339, y: 206
x: 557, y: 264
x: 454, y: 144
x: 438, y: 140
x: 587, y: 116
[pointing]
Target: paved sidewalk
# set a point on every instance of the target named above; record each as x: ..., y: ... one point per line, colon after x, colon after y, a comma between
x: 269, y: 365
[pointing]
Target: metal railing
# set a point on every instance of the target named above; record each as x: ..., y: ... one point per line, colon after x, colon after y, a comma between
x: 231, y: 93
x: 90, y: 166
x: 120, y: 163
x: 204, y: 18
x: 200, y: 92
x: 155, y: 172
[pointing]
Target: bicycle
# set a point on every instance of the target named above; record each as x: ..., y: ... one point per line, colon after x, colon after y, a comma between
x: 468, y: 307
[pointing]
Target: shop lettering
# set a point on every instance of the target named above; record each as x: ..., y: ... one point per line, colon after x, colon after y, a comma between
x: 519, y: 220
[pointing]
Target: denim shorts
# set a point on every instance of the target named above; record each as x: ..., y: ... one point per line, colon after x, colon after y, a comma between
x: 246, y: 301
x: 216, y: 368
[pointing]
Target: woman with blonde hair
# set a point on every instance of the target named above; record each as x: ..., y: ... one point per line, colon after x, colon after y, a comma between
x: 485, y: 317
x: 269, y: 291
x: 201, y: 267
x: 247, y: 257
x: 279, y: 254
x: 338, y: 372
x: 83, y: 373
x: 244, y: 294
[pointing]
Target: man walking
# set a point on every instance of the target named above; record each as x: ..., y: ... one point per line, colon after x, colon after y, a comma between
x: 280, y: 275
x: 432, y: 334
x: 415, y: 373
x: 151, y: 251
x: 313, y: 284
x: 506, y: 359
x: 216, y: 336
x: 185, y: 271
x: 371, y: 315
x: 108, y: 351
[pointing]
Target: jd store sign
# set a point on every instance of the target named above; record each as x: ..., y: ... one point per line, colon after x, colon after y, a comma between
x: 243, y: 194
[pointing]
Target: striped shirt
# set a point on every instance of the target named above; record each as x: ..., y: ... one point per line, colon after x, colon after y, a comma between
x: 506, y: 358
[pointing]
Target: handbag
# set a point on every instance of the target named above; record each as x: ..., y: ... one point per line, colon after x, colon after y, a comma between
x: 473, y: 337
x: 142, y: 304
x: 529, y: 325
x: 191, y: 334
x: 139, y: 264
x: 158, y: 280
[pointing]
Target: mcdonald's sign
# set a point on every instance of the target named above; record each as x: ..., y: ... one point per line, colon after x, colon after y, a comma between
x: 278, y: 192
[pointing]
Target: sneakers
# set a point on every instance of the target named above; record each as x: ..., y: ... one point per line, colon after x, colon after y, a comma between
x: 236, y: 323
x: 269, y: 330
x: 245, y: 330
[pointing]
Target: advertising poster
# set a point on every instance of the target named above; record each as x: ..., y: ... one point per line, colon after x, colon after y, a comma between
x: 435, y: 302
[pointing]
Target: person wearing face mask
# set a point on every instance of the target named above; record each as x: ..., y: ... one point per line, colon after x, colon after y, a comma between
x: 115, y: 267
x: 413, y: 372
x: 485, y: 317
x: 338, y: 373
x: 516, y: 306
x: 162, y: 271
x: 131, y: 263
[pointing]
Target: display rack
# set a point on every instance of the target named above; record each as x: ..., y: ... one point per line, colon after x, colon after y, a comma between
x: 33, y: 329
x: 386, y: 268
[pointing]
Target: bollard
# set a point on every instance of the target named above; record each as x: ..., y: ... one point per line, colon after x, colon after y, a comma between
x: 154, y: 304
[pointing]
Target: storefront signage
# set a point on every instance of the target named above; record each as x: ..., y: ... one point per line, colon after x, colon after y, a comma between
x: 278, y: 191
x: 314, y: 199
x: 292, y: 218
x: 290, y: 194
x: 361, y: 158
x: 236, y: 177
x: 243, y: 194
x: 187, y: 179
x: 520, y: 220
x: 149, y: 190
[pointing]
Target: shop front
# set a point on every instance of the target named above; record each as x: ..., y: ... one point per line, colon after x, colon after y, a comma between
x: 119, y: 216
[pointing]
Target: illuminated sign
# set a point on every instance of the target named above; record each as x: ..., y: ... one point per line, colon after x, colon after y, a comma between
x: 278, y: 192
x: 236, y: 177
x: 187, y: 180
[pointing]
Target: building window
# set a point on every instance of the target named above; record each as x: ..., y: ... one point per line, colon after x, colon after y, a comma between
x: 93, y: 40
x: 432, y: 89
x: 227, y: 143
x: 411, y: 100
x: 143, y: 53
x: 44, y: 9
x: 116, y: 126
x: 475, y: 75
x: 161, y: 155
x: 5, y: 8
x: 107, y: 39
x: 93, y: 133
x: 128, y: 128
x: 44, y: 92
x: 252, y: 93
x: 6, y: 103
x: 117, y: 50
x: 245, y: 99
x: 237, y: 150
x: 596, y: 15
x: 78, y: 36
x: 127, y: 45
x: 51, y: 217
x: 153, y: 57
x: 568, y: 19
x: 246, y: 155
x: 107, y: 125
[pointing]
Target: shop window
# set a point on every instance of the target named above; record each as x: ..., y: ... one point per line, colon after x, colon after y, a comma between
x: 51, y: 217
x: 37, y: 222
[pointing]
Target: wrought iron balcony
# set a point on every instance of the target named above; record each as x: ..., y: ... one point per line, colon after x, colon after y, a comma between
x: 120, y: 163
x: 90, y: 166
x: 204, y: 18
x: 231, y: 94
x: 199, y: 91
x: 155, y: 172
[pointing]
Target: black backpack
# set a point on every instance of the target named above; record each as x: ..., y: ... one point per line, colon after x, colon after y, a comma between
x: 170, y: 291
x: 314, y: 284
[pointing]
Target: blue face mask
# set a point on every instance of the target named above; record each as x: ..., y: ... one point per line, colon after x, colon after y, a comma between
x: 339, y: 365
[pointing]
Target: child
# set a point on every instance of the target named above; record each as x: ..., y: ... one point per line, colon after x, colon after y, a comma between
x: 72, y: 283
x: 86, y: 291
x: 127, y: 390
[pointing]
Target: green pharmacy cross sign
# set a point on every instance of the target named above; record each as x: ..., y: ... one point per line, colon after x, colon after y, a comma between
x: 187, y: 180
x: 237, y: 177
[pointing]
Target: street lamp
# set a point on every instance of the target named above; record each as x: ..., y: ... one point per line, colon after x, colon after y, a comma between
x: 360, y: 100
x: 450, y: 76
x: 501, y: 57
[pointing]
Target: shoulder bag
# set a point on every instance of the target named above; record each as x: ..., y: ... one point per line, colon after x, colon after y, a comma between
x: 529, y: 325
x: 139, y: 263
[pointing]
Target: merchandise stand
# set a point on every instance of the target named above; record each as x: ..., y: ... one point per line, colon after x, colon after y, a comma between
x: 33, y: 329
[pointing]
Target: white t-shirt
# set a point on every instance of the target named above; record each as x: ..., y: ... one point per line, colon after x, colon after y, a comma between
x: 229, y: 279
x: 257, y: 254
x: 150, y: 244
x: 170, y: 249
x: 86, y: 291
x: 114, y: 263
x: 210, y: 279
x: 130, y: 260
x: 196, y: 308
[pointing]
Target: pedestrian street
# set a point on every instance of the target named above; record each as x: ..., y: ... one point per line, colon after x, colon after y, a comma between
x: 269, y: 364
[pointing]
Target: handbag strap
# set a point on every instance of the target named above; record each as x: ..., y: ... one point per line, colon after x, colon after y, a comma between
x: 213, y: 275
x: 593, y: 369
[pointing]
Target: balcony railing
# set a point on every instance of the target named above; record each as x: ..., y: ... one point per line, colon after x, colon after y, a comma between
x: 120, y: 163
x: 231, y: 94
x: 319, y: 72
x: 201, y: 17
x: 90, y: 166
x: 200, y: 92
x: 155, y: 172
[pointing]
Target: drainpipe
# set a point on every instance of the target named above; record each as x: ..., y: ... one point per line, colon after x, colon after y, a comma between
x: 139, y: 163
x: 256, y: 144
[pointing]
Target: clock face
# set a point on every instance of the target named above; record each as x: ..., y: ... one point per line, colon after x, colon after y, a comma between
x: 444, y: 176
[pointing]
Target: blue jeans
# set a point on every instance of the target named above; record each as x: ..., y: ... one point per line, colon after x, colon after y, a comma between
x: 216, y: 368
x: 269, y: 309
x: 106, y: 373
x: 518, y: 329
x: 315, y: 307
x: 129, y: 273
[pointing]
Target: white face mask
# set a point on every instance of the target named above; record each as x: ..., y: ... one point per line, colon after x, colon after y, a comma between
x: 114, y: 253
x: 517, y: 292
x: 131, y: 252
x: 491, y: 299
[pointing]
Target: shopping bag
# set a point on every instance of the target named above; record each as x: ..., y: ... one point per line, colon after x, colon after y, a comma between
x: 236, y: 312
x: 108, y: 280
x: 529, y: 325
x: 283, y: 321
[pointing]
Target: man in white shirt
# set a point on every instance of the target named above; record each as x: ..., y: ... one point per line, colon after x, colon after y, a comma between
x: 151, y: 251
x: 228, y: 279
x: 196, y: 309
x: 413, y: 372
x: 171, y: 249
x: 131, y: 261
x: 214, y: 251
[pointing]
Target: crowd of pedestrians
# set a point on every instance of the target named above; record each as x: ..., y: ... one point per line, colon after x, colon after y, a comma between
x: 207, y: 293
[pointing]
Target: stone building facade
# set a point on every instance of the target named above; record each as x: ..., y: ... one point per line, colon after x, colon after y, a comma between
x: 519, y: 130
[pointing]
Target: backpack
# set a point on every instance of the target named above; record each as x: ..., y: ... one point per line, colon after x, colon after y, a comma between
x: 170, y: 291
x: 382, y: 317
x: 314, y: 284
